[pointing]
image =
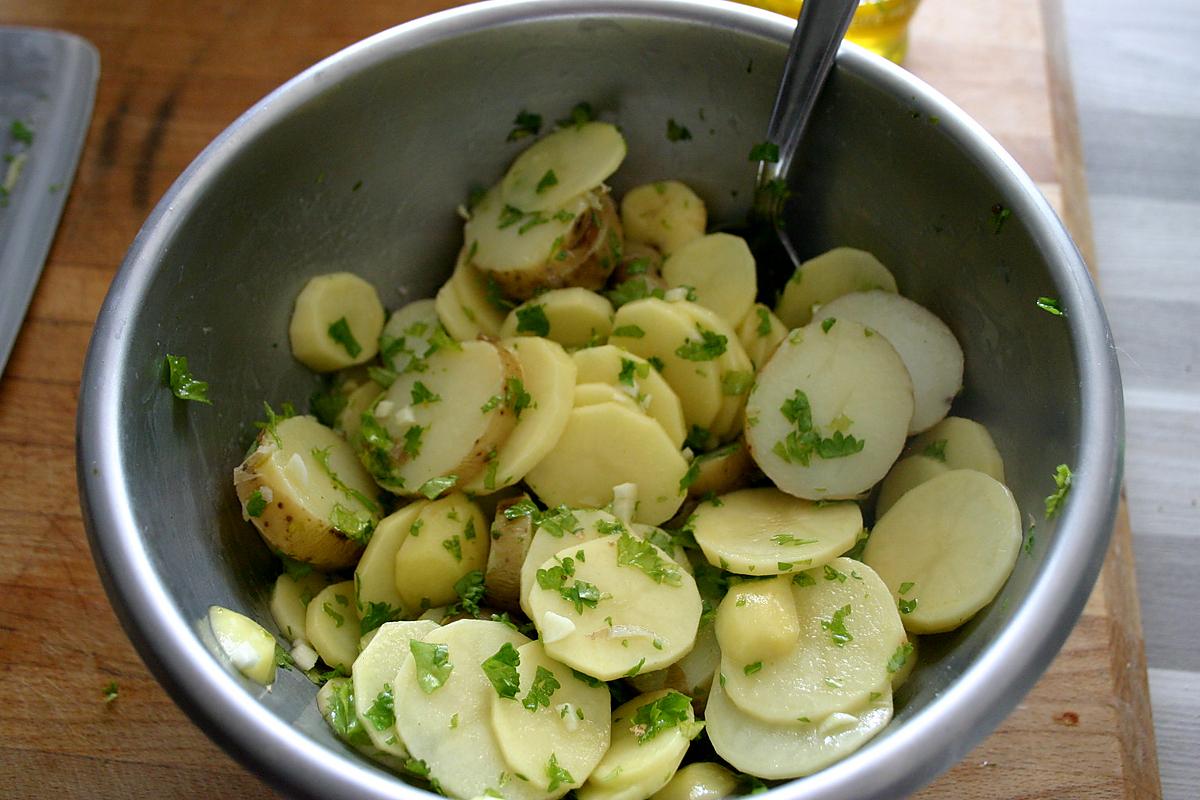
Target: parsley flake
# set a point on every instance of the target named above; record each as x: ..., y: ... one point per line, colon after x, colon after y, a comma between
x: 677, y: 132
x: 907, y: 606
x: 382, y: 713
x: 629, y: 331
x: 421, y: 395
x: 709, y: 346
x: 541, y: 690
x: 340, y: 333
x: 501, y: 670
x: 548, y: 180
x: 668, y: 711
x: 936, y: 450
x: 375, y: 614
x: 764, y: 321
x: 765, y: 151
x: 736, y: 382
x: 1062, y: 483
x: 434, y: 487
x: 532, y: 319
x: 433, y: 664
x: 256, y: 505
x: 557, y: 775
x: 633, y: 552
x: 837, y: 626
x: 896, y: 662
x: 1051, y: 306
x: 750, y: 669
x: 412, y: 441
x: 525, y: 124
x: 183, y: 384
x: 111, y: 691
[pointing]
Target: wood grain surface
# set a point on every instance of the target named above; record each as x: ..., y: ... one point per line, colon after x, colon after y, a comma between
x: 174, y: 73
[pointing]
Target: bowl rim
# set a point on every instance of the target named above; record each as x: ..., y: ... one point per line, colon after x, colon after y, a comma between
x: 934, y: 739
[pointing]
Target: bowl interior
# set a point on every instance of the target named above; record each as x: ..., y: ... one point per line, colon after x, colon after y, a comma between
x: 360, y: 164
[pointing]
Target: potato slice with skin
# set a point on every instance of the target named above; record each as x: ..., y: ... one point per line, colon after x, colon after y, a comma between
x: 587, y: 526
x: 331, y: 622
x: 929, y: 350
x: 289, y: 602
x: 757, y: 619
x: 562, y: 165
x: 640, y: 261
x: 606, y: 445
x: 574, y: 728
x: 510, y: 541
x: 653, y: 624
x: 300, y: 503
x: 607, y: 364
x: 831, y: 382
x: 701, y: 780
x: 572, y: 317
x: 518, y: 245
x: 448, y: 539
x: 350, y: 419
x: 336, y: 322
x: 839, y: 658
x: 548, y: 375
x: 633, y: 769
x: 792, y: 749
x: 766, y: 532
x: 955, y: 539
x: 720, y: 268
x: 906, y: 474
x: 760, y: 333
x: 374, y: 672
x: 375, y: 575
x: 961, y: 444
x: 724, y: 470
x: 827, y: 277
x: 668, y: 330
x: 464, y: 759
x: 245, y: 643
x: 663, y: 214
x: 443, y: 421
x: 593, y: 394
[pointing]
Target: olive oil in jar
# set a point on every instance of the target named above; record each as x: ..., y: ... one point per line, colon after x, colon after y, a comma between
x: 881, y: 26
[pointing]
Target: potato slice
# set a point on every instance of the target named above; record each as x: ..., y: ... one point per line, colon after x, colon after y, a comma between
x: 827, y: 277
x: 450, y: 727
x: 497, y: 242
x: 349, y: 420
x: 643, y: 755
x: 724, y: 470
x: 961, y: 444
x: 766, y: 532
x: 826, y: 392
x: 951, y: 543
x: 720, y: 268
x: 615, y: 606
x: 289, y: 602
x: 336, y: 322
x: 563, y: 165
x: 409, y: 335
x: 929, y: 350
x: 669, y: 337
x: 692, y: 675
x: 447, y: 540
x: 573, y: 729
x: 572, y: 317
x: 305, y: 491
x: 701, y: 780
x: 606, y: 445
x: 442, y: 422
x: 548, y: 374
x: 331, y: 622
x: 839, y: 658
x: 777, y: 750
x: 463, y: 303
x: 567, y: 528
x: 904, y: 661
x: 736, y: 370
x: 757, y: 619
x: 640, y: 262
x: 760, y: 333
x: 374, y: 672
x: 609, y: 364
x: 594, y: 394
x: 375, y: 576
x: 510, y: 541
x: 904, y: 475
x: 248, y: 645
x: 663, y: 214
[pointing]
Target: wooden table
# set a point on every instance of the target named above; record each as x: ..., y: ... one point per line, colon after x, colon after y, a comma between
x: 175, y: 72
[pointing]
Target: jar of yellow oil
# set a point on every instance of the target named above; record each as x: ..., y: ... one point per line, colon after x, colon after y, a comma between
x: 879, y: 25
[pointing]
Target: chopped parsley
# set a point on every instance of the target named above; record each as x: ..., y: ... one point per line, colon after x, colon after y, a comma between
x: 750, y: 669
x: 801, y: 444
x: 630, y: 370
x: 183, y: 384
x: 382, y: 375
x: 657, y: 363
x: 111, y: 691
x: 698, y: 438
x: 342, y: 717
x: 788, y: 540
x: 532, y: 319
x: 340, y: 333
x: 709, y: 346
x: 412, y: 441
x: 375, y: 447
x: 936, y: 450
x: 803, y: 579
x: 21, y: 132
x: 495, y: 295
x: 1062, y: 484
x: 595, y: 683
x: 630, y: 331
x: 525, y: 124
x: 434, y: 487
x: 828, y: 323
x: 636, y: 668
x: 677, y: 132
x: 547, y: 180
x: 375, y: 614
x: 765, y: 151
x: 432, y: 662
x: 470, y: 591
x: 382, y: 713
x: 837, y: 626
x: 321, y: 455
x: 906, y: 587
x: 256, y: 505
x: 636, y: 288
x: 668, y: 711
x: 764, y: 320
x: 896, y: 662
x: 501, y: 670
x: 832, y: 574
x: 421, y: 395
x: 491, y: 403
x: 1029, y: 540
x: 557, y: 775
x: 907, y: 606
x: 736, y: 382
x: 633, y: 552
x: 581, y: 113
x: 542, y: 689
x: 338, y: 619
x: 691, y: 476
x: 515, y: 396
x: 453, y: 546
x: 560, y: 578
x: 1051, y: 306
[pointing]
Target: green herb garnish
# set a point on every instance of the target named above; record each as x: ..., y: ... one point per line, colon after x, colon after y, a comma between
x: 525, y: 124
x: 382, y: 713
x: 432, y: 662
x: 340, y: 333
x: 896, y: 662
x: 183, y: 384
x: 765, y: 151
x: 633, y: 552
x: 677, y: 132
x: 501, y: 670
x: 837, y: 626
x: 543, y: 687
x: 707, y: 348
x: 532, y: 320
x: 557, y: 775
x: 1062, y: 484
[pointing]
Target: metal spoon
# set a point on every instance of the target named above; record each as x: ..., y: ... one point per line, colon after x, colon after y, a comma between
x: 819, y: 31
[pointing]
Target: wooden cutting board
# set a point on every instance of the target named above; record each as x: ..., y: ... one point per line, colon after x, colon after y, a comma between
x: 176, y: 72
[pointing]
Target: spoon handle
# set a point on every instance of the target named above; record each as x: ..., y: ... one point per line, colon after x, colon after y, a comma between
x: 819, y: 31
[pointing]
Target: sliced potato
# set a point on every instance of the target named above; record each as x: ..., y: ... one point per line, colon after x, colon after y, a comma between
x: 248, y: 645
x: 693, y: 674
x: 766, y: 532
x: 562, y: 165
x: 760, y: 333
x: 840, y: 656
x: 700, y: 780
x: 567, y: 528
x: 736, y: 370
x: 569, y: 722
x: 442, y: 422
x: 720, y: 268
x: 448, y: 539
x: 929, y: 350
x: 904, y: 475
x: 289, y: 602
x: 572, y: 317
x: 723, y: 470
x: 829, y: 412
x: 464, y: 304
x: 640, y: 262
x: 498, y: 243
x: 336, y: 322
x: 305, y: 491
x: 830, y: 275
x: 642, y: 757
x: 615, y: 606
x: 409, y: 334
x: 350, y: 419
x: 791, y: 749
x: 663, y: 214
x: 548, y: 374
x: 608, y: 364
x: 510, y: 541
x: 951, y: 543
x: 375, y: 575
x: 374, y: 672
x: 449, y: 728
x: 331, y: 622
x: 757, y: 619
x: 961, y: 444
x: 606, y: 445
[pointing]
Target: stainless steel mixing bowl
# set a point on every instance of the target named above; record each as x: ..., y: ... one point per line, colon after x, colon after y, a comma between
x: 419, y: 114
